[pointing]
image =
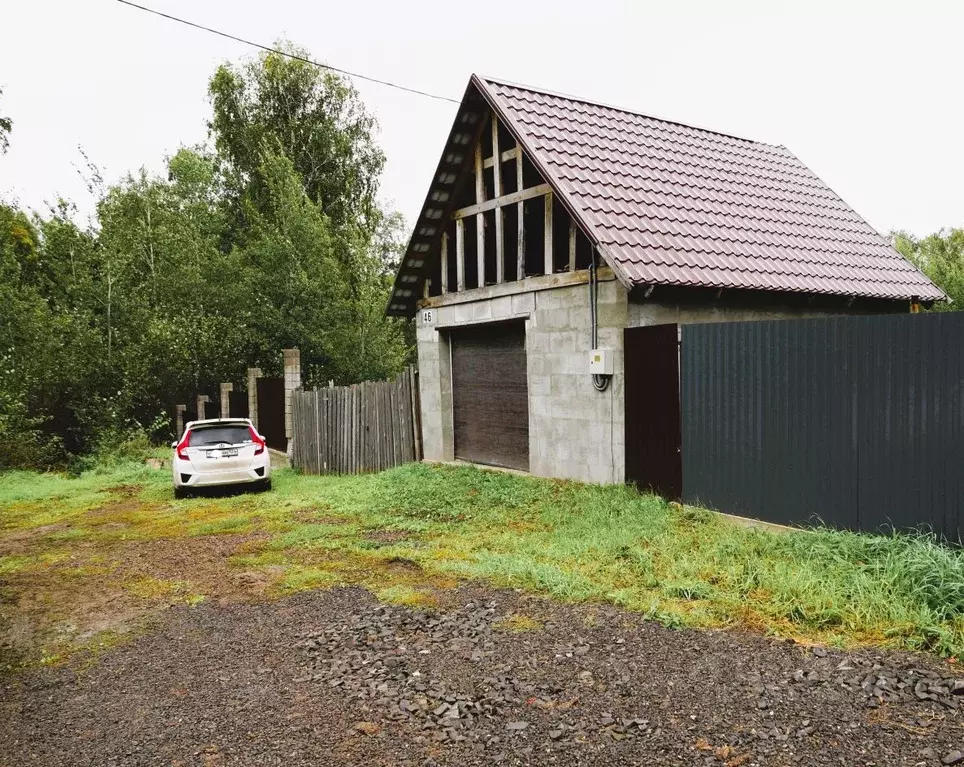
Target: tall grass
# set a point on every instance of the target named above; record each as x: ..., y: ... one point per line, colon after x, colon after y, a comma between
x: 682, y: 566
x: 685, y: 565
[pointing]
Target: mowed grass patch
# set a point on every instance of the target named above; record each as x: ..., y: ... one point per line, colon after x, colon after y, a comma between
x: 410, y: 533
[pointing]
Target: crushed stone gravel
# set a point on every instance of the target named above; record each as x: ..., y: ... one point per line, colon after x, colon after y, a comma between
x: 335, y: 677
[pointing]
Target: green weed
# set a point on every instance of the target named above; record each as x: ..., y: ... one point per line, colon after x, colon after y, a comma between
x: 407, y: 532
x: 300, y: 578
x: 407, y: 596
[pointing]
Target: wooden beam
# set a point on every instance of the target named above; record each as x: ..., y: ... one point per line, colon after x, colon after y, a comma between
x: 506, y: 199
x: 572, y: 247
x: 497, y: 187
x: 460, y: 255
x: 499, y: 246
x: 479, y: 178
x: 497, y: 167
x: 533, y: 283
x: 427, y: 289
x: 445, y: 263
x: 508, y: 154
x: 479, y: 221
x: 521, y: 249
x: 548, y: 234
x: 480, y: 248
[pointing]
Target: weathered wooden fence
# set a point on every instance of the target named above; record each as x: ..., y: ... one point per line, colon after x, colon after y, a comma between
x: 365, y: 427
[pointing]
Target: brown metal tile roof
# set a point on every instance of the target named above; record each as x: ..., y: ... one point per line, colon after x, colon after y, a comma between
x: 672, y: 204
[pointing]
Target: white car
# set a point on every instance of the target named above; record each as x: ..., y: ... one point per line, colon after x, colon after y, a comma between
x: 220, y: 451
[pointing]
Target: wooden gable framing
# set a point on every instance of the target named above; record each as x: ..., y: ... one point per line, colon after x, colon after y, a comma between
x: 490, y: 216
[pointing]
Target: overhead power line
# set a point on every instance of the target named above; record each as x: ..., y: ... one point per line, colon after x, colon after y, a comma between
x: 294, y: 56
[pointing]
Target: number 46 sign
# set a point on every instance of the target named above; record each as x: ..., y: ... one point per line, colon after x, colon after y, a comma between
x: 428, y: 316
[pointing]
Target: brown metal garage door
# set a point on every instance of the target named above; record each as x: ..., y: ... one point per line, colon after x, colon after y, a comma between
x: 490, y: 395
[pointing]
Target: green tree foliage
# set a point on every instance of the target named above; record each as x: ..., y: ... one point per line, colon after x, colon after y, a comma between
x: 6, y: 125
x: 941, y: 257
x: 27, y: 324
x: 311, y: 116
x: 271, y: 238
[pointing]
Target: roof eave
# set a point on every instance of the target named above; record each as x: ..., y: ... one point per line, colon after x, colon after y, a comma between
x: 924, y: 296
x: 429, y: 225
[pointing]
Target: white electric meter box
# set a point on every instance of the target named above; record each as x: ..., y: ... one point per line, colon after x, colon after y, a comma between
x: 601, y: 362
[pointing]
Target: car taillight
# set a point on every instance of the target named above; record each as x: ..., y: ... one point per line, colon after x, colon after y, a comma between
x: 258, y: 441
x: 183, y: 445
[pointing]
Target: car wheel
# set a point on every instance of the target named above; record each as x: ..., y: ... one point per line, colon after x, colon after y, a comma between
x: 265, y: 485
x: 181, y: 492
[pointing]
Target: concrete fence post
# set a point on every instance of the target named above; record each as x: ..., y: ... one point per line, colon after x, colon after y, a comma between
x: 253, y: 375
x: 292, y: 359
x: 226, y: 389
x: 202, y: 400
x: 179, y: 419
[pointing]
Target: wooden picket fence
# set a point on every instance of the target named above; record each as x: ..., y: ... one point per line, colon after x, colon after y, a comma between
x: 355, y: 429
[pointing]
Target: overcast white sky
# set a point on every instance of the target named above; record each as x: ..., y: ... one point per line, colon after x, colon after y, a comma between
x: 868, y: 93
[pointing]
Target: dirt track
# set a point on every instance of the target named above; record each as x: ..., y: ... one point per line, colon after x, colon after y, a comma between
x: 333, y: 677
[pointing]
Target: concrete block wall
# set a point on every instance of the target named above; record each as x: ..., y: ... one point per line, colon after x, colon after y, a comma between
x: 253, y: 375
x: 645, y: 313
x: 179, y: 419
x: 292, y: 376
x: 435, y: 391
x: 575, y: 432
x: 226, y: 389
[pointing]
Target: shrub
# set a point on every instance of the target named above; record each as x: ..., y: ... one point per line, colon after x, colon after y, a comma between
x: 23, y: 442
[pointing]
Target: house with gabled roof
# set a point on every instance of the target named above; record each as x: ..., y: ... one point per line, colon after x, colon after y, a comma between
x: 553, y: 224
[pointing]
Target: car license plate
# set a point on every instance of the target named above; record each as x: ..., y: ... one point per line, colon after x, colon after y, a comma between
x: 229, y: 452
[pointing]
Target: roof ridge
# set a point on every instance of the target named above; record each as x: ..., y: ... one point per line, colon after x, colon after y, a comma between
x: 624, y: 110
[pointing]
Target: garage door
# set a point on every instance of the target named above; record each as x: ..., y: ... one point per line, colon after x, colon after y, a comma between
x: 490, y: 395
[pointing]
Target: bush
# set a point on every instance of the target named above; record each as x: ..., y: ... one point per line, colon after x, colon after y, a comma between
x: 23, y: 442
x: 115, y: 445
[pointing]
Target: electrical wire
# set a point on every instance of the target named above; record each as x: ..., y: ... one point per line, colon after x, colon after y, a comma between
x: 294, y: 56
x: 599, y: 382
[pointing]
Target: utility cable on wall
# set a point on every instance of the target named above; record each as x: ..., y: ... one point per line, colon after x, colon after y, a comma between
x: 294, y: 56
x: 599, y: 382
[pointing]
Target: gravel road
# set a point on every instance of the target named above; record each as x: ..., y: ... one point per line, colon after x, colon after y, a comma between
x: 494, y: 677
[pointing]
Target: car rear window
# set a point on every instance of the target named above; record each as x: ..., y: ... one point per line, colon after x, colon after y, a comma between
x: 230, y: 434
